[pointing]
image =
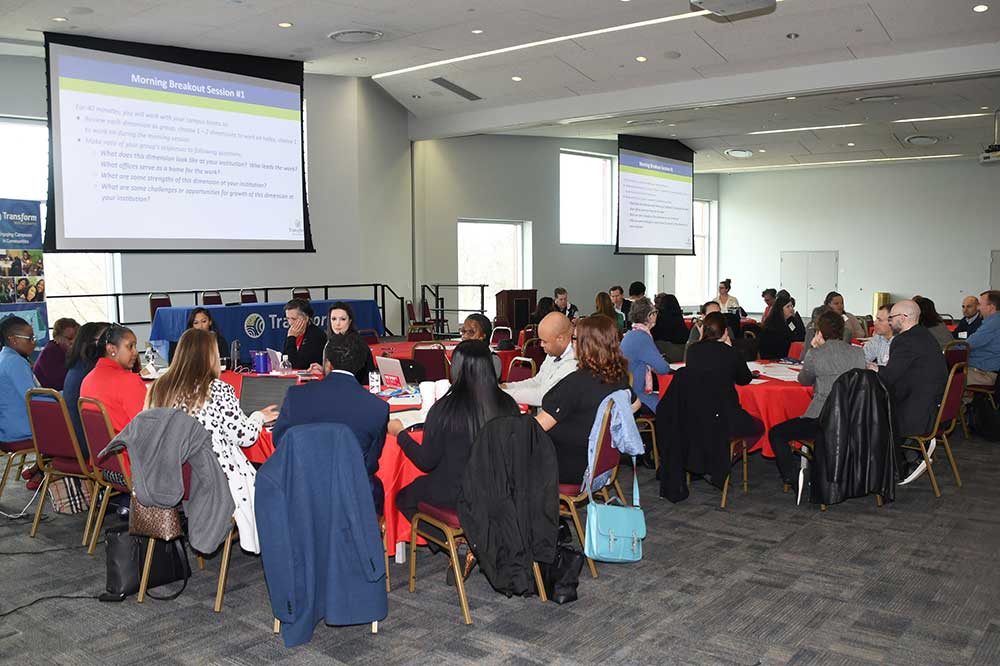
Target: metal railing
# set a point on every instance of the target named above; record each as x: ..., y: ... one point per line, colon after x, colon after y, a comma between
x: 437, y: 303
x: 378, y: 295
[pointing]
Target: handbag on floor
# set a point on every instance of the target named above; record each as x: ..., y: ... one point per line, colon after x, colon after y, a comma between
x: 125, y: 555
x: 615, y: 533
x: 69, y: 495
x: 562, y: 577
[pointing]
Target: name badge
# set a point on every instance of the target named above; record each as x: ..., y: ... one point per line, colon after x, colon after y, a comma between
x: 963, y: 335
x: 791, y: 326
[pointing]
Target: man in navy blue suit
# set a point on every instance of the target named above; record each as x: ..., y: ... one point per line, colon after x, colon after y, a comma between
x: 338, y: 398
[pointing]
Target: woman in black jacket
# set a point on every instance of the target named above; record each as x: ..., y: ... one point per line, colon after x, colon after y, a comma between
x: 715, y: 362
x: 451, y: 428
x: 341, y: 324
x: 670, y: 326
x: 777, y: 333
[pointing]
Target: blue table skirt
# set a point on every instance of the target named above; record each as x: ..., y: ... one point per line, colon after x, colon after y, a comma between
x: 258, y: 325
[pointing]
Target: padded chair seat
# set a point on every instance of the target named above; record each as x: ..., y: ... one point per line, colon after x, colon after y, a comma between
x: 571, y: 489
x: 645, y: 413
x: 67, y: 465
x: 447, y: 516
x: 14, y: 447
x: 980, y: 387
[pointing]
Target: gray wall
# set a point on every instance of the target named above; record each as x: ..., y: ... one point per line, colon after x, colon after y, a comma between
x: 907, y: 229
x: 512, y: 178
x: 22, y: 80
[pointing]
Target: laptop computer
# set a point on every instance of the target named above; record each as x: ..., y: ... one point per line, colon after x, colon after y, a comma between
x: 391, y: 371
x: 259, y: 392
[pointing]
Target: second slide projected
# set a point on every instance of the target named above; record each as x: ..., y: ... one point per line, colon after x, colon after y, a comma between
x: 655, y: 201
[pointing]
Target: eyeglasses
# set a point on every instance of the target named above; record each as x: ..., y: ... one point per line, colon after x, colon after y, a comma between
x: 24, y: 337
x: 900, y: 314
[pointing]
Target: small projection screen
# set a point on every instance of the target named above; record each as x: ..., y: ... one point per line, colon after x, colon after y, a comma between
x: 655, y: 196
x: 163, y: 149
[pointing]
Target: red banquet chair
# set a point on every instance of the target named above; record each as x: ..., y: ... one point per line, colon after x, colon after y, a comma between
x: 443, y: 322
x: 248, y: 296
x: 15, y: 451
x: 211, y: 298
x: 533, y: 349
x: 157, y: 301
x: 433, y: 359
x: 944, y: 424
x: 110, y: 473
x: 369, y: 335
x: 956, y: 352
x: 56, y: 447
x: 606, y: 459
x: 419, y: 333
x: 301, y: 293
x: 521, y: 368
x: 501, y: 333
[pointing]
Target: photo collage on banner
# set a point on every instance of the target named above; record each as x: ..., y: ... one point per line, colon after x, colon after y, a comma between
x: 22, y: 271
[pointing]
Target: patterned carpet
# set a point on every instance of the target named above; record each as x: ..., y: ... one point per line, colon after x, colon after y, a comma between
x: 762, y: 582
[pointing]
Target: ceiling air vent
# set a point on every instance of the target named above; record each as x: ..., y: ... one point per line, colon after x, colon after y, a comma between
x: 355, y: 36
x: 458, y: 90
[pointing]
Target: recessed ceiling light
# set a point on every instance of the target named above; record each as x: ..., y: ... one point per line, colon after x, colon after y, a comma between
x: 355, y: 36
x: 59, y: 19
x: 851, y: 144
x: 920, y: 120
x: 921, y: 140
x: 285, y: 24
x: 477, y: 31
x: 360, y: 59
x: 877, y: 98
x: 762, y: 150
x: 516, y: 78
x: 739, y: 153
x: 640, y: 58
x: 791, y: 97
x: 792, y: 35
x: 985, y: 108
x: 807, y: 129
x: 672, y: 125
x: 979, y: 9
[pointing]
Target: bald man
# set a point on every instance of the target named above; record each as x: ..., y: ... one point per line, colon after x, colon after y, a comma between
x: 915, y: 376
x: 556, y: 334
x: 971, y: 319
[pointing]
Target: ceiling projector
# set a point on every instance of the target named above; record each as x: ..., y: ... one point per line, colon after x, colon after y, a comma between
x: 991, y: 155
x: 729, y: 8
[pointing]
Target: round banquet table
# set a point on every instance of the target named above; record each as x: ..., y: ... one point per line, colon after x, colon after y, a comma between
x: 404, y: 351
x: 772, y: 402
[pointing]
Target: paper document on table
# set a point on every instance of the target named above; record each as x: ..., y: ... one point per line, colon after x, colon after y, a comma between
x: 758, y: 381
x: 411, y: 417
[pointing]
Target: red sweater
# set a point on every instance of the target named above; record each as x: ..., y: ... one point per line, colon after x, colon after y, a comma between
x: 122, y: 392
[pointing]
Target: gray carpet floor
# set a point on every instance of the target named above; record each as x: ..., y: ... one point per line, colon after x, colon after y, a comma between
x: 762, y: 582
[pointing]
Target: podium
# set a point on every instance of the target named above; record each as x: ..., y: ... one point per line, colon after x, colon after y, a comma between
x: 515, y: 307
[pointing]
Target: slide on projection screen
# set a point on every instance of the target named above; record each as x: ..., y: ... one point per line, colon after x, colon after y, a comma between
x: 655, y: 196
x: 162, y: 149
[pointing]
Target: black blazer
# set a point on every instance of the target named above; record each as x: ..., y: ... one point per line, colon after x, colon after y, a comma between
x: 311, y: 350
x: 670, y: 328
x: 966, y: 327
x: 774, y: 342
x: 915, y: 376
x: 340, y: 399
x: 722, y: 368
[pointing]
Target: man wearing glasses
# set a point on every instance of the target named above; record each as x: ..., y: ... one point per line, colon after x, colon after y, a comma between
x: 18, y: 341
x: 915, y: 375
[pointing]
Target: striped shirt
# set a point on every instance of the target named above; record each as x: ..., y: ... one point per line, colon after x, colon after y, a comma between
x: 877, y: 350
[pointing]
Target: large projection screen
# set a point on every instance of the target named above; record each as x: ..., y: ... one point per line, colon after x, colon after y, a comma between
x: 655, y: 196
x: 162, y: 149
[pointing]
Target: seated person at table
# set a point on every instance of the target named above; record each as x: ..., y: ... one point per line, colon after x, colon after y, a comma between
x: 694, y: 335
x: 618, y: 299
x: 931, y: 320
x: 716, y: 362
x: 876, y: 350
x: 112, y: 381
x: 341, y: 317
x: 561, y: 298
x: 305, y: 341
x: 556, y: 334
x: 569, y: 410
x: 670, y: 326
x: 18, y: 340
x: 769, y: 295
x: 339, y: 398
x: 852, y: 327
x: 971, y: 319
x: 830, y: 357
x: 80, y: 361
x: 544, y: 307
x: 776, y: 333
x: 643, y: 357
x: 451, y: 428
x: 797, y: 327
x: 201, y: 319
x: 50, y: 366
x: 984, y: 344
x: 192, y: 385
x: 915, y: 375
x: 604, y: 307
x: 727, y: 302
x: 478, y: 327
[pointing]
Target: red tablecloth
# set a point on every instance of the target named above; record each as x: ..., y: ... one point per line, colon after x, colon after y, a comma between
x: 404, y: 351
x: 772, y: 402
x: 396, y: 471
x: 795, y: 350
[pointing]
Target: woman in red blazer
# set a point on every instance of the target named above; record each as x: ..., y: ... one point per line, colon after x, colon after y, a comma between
x: 112, y: 381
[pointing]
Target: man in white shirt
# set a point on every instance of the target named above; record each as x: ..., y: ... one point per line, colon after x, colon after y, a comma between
x: 556, y: 334
x: 877, y: 349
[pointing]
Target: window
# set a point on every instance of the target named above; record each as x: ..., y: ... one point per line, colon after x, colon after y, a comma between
x: 587, y: 198
x: 496, y: 253
x: 695, y: 277
x: 27, y: 177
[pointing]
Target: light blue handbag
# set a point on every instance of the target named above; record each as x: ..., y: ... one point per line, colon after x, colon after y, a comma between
x: 615, y: 533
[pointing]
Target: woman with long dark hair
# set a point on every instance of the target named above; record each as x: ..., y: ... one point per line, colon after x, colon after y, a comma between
x: 932, y: 321
x: 201, y: 319
x: 544, y: 306
x: 776, y: 335
x: 605, y: 307
x: 569, y: 409
x: 80, y: 360
x: 340, y: 326
x: 451, y: 428
x: 670, y: 326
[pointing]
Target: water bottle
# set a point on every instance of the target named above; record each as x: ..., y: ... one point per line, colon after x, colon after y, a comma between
x: 374, y: 382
